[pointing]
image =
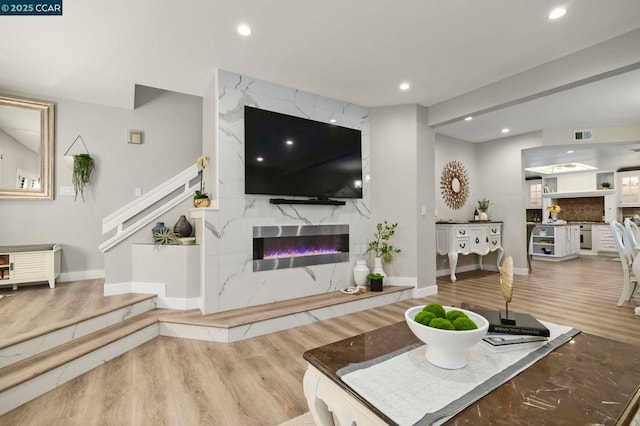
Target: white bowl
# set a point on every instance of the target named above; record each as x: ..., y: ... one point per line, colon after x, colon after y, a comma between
x: 447, y: 348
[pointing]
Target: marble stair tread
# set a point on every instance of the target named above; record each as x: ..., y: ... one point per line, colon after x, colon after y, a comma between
x: 253, y: 314
x: 29, y: 368
x: 50, y: 327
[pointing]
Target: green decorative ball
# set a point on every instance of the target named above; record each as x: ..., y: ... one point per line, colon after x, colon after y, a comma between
x: 436, y: 309
x: 424, y: 317
x: 441, y: 323
x: 464, y: 323
x: 452, y: 315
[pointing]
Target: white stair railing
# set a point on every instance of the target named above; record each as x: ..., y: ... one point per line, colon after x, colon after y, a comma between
x: 117, y: 219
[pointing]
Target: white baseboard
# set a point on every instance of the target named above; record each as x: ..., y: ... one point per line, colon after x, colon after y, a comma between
x: 116, y: 288
x: 466, y: 268
x: 520, y: 271
x: 80, y: 275
x: 425, y: 291
x: 159, y: 289
x: 178, y: 303
x: 401, y: 281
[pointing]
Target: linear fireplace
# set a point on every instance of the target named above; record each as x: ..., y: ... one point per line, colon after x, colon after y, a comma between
x: 278, y: 247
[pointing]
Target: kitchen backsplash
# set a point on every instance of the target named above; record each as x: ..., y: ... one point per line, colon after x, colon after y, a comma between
x: 589, y: 209
x: 632, y: 212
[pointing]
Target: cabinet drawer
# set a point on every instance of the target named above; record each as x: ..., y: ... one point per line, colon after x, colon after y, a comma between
x: 462, y: 245
x: 462, y: 232
x: 494, y: 242
x: 494, y: 230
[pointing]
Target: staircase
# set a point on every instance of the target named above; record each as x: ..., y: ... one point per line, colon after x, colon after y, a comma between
x: 32, y: 365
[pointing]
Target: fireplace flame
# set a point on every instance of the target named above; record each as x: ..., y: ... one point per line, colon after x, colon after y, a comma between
x: 299, y: 252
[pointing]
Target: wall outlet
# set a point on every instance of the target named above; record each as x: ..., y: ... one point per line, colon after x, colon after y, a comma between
x: 137, y: 192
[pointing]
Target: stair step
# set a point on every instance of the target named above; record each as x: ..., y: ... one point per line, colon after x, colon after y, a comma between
x: 47, y: 337
x: 244, y: 323
x: 26, y: 379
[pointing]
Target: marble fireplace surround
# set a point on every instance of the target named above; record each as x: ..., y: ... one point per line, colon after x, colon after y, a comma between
x: 290, y: 246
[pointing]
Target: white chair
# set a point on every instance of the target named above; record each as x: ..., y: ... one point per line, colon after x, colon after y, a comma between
x: 634, y: 232
x: 622, y: 238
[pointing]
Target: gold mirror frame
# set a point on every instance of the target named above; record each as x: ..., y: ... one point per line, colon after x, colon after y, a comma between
x: 454, y: 185
x: 47, y: 131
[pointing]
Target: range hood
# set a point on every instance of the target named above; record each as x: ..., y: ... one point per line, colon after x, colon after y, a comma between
x: 576, y: 194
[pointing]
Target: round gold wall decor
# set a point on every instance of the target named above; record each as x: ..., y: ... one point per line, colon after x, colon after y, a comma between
x: 454, y: 185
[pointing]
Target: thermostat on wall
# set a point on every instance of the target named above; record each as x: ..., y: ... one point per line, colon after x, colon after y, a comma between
x: 134, y: 136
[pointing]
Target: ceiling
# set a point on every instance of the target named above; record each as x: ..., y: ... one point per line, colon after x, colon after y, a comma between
x: 358, y: 51
x: 613, y: 101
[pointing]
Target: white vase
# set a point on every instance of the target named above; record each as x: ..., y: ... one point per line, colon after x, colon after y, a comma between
x: 377, y: 266
x: 484, y: 216
x: 360, y: 273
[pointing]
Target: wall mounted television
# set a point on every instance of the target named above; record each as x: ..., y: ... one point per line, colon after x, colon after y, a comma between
x: 292, y: 156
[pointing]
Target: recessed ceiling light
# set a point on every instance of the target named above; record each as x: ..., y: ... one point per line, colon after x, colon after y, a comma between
x: 469, y: 118
x: 556, y: 13
x: 505, y: 130
x: 404, y: 86
x: 333, y: 120
x: 259, y: 159
x: 570, y: 151
x: 289, y: 142
x: 244, y: 29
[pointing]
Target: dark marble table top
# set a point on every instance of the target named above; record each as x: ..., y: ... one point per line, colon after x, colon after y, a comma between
x: 588, y: 380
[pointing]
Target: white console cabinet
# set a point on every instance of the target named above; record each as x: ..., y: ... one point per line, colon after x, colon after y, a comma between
x: 479, y: 238
x: 29, y: 263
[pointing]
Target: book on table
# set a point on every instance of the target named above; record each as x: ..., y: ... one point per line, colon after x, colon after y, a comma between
x: 524, y: 324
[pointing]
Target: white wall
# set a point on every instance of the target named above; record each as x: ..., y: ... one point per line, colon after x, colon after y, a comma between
x: 452, y: 149
x: 402, y: 158
x: 500, y: 176
x: 605, y: 134
x: 172, y: 125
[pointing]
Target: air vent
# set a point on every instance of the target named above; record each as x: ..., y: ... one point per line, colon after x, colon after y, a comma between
x: 582, y: 135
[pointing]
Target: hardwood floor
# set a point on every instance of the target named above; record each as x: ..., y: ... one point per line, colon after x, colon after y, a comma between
x: 259, y: 381
x: 33, y: 310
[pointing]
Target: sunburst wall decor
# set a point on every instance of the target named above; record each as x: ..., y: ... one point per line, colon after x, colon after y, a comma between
x: 454, y: 185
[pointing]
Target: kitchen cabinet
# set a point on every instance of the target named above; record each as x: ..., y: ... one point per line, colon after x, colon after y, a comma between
x: 453, y: 239
x: 32, y: 263
x: 603, y: 239
x: 628, y: 185
x: 555, y: 242
x: 534, y: 193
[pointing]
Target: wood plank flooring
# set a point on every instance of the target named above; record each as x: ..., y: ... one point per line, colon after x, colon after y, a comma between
x: 33, y: 310
x: 259, y: 381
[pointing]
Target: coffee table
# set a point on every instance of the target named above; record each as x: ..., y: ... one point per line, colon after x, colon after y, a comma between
x: 589, y: 380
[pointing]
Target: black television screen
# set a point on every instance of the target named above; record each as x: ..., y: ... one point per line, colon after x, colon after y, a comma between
x: 286, y: 155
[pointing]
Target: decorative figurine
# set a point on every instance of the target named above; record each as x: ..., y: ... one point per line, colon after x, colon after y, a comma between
x: 506, y: 288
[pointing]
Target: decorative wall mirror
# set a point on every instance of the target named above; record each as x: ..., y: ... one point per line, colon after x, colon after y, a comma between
x: 26, y: 148
x: 454, y: 185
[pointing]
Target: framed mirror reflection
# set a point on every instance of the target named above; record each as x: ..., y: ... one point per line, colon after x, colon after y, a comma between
x: 26, y: 147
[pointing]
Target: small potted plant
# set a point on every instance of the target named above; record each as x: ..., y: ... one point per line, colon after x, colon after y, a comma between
x: 380, y: 245
x: 375, y: 281
x: 83, y: 166
x: 483, y: 206
x: 201, y: 198
x: 605, y: 185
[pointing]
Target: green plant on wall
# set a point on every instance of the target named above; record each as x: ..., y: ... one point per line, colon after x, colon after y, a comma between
x: 83, y: 166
